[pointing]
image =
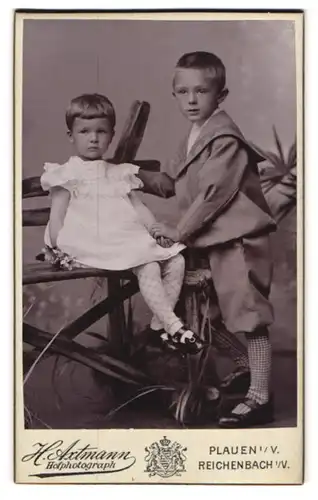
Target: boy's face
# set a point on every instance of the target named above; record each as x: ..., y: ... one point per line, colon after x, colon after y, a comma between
x: 196, y: 94
x: 91, y: 137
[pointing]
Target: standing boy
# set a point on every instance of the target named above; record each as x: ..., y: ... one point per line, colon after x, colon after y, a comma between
x: 224, y: 214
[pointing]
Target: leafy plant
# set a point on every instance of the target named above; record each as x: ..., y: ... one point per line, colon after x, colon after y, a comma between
x: 278, y: 163
x: 279, y: 177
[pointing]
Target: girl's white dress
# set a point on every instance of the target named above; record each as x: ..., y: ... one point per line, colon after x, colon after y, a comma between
x: 101, y: 227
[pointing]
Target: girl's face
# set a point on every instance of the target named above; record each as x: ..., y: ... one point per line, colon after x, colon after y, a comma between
x: 91, y: 137
x: 196, y: 94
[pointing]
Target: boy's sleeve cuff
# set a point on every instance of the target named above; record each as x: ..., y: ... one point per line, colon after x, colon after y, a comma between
x: 182, y: 236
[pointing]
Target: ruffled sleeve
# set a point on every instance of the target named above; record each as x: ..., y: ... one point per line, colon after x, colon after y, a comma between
x: 58, y: 175
x: 134, y: 182
x: 125, y: 175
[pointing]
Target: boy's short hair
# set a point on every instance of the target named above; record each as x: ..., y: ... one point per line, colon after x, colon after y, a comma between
x: 205, y: 60
x: 90, y: 106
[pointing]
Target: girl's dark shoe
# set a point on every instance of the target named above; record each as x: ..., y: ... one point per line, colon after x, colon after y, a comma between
x: 183, y: 342
x: 161, y: 339
x: 237, y: 382
x: 187, y: 342
x: 167, y: 343
x: 258, y: 414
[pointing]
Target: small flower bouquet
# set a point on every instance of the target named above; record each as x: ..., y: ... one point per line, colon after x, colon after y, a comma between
x: 58, y: 259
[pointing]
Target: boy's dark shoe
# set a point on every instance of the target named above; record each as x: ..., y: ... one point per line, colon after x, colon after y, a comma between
x: 258, y: 414
x: 237, y: 382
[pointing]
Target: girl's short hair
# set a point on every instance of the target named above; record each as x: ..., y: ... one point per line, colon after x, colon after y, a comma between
x: 205, y: 60
x: 90, y: 106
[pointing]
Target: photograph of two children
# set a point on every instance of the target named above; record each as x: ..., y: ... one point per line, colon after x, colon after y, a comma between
x: 158, y: 226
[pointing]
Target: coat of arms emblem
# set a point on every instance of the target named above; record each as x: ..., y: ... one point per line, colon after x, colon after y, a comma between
x: 165, y: 458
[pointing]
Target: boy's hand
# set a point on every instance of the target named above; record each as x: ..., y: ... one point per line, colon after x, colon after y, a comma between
x: 160, y: 229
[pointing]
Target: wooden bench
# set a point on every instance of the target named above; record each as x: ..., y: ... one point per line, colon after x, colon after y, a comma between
x: 121, y: 285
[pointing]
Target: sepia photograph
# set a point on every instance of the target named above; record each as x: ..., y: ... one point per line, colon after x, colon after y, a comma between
x: 158, y: 178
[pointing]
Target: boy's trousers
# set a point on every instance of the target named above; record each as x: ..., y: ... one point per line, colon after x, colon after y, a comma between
x: 242, y: 275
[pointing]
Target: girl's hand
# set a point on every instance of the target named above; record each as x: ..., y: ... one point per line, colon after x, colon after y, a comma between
x: 164, y: 242
x: 159, y: 229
